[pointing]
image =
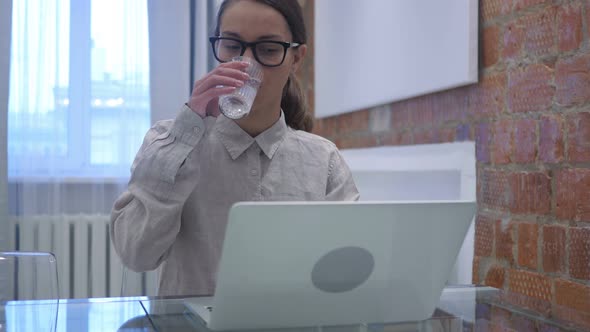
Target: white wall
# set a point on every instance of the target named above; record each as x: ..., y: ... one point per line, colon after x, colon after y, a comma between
x: 374, y: 52
x: 5, y: 31
x: 169, y: 31
x: 170, y: 51
x: 420, y: 172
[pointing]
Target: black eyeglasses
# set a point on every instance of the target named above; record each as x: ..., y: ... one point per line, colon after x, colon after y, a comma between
x: 268, y: 53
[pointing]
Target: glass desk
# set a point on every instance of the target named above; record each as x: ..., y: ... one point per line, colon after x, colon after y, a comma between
x: 461, y: 308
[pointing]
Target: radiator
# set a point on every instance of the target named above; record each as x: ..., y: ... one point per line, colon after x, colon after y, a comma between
x: 88, y: 265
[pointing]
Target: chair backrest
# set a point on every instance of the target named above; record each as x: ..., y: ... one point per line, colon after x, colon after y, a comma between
x: 29, y: 291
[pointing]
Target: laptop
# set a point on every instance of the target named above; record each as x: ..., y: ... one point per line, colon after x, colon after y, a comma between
x: 298, y: 264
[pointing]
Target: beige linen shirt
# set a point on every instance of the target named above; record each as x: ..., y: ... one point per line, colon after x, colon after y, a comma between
x: 188, y: 173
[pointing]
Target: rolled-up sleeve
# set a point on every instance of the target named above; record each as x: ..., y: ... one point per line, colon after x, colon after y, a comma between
x: 145, y: 219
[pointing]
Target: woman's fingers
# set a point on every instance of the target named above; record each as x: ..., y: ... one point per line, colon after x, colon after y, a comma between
x: 214, y: 81
x: 230, y: 69
x: 224, y: 79
x: 200, y: 103
x: 213, y: 107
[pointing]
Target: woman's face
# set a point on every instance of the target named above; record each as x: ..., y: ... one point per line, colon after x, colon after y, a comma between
x: 251, y: 21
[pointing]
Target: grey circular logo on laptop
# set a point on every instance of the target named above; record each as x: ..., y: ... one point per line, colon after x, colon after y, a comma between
x: 342, y: 269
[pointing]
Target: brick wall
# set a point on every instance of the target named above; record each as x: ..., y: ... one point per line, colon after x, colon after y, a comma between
x: 530, y: 118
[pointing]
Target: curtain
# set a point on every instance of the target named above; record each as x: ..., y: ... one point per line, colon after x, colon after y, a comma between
x: 78, y: 103
x: 78, y: 108
x: 87, y: 78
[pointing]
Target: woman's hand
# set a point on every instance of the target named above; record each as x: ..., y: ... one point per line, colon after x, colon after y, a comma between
x: 224, y: 79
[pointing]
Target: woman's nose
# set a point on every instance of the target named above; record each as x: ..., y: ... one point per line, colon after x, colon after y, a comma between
x: 249, y: 53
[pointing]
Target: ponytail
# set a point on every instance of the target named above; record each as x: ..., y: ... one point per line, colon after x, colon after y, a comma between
x: 294, y: 105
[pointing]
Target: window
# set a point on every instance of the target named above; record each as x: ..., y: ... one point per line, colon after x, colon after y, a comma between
x: 79, y: 101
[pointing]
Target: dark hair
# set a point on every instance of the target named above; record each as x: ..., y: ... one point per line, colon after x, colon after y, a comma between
x: 293, y: 101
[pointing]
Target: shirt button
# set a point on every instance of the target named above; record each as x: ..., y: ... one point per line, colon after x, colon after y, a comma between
x: 196, y: 130
x: 253, y: 172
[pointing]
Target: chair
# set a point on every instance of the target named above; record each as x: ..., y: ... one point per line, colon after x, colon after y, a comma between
x: 29, y: 291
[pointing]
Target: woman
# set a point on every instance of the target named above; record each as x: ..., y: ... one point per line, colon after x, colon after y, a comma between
x: 190, y: 170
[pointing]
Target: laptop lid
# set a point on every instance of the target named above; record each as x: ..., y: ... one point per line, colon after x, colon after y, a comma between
x: 292, y: 264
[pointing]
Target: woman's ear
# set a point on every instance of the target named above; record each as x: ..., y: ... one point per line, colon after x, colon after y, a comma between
x: 298, y: 56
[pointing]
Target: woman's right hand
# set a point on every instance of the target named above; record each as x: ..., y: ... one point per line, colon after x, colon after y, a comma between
x: 224, y: 79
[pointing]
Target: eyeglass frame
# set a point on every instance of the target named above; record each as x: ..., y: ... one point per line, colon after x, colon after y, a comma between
x: 252, y: 45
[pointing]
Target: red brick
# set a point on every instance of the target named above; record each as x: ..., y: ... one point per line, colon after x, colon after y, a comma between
x: 491, y: 46
x: 570, y: 27
x: 318, y: 127
x: 530, y: 89
x: 522, y: 323
x: 522, y: 4
x: 502, y: 144
x: 450, y: 106
x: 488, y: 96
x: 484, y: 236
x: 493, y: 8
x: 577, y: 320
x: 352, y: 122
x: 525, y: 141
x: 572, y: 78
x: 479, y: 171
x: 426, y: 136
x: 540, y: 32
x: 495, y: 189
x: 495, y: 277
x: 482, y: 325
x: 513, y: 41
x: 573, y: 194
x: 464, y: 132
x: 482, y: 142
x: 353, y: 142
x: 531, y: 192
x: 528, y: 233
x: 400, y: 116
x: 397, y: 138
x: 573, y: 300
x: 578, y: 134
x: 505, y: 240
x: 421, y: 115
x: 500, y: 319
x: 551, y: 146
x: 446, y: 135
x: 572, y: 295
x: 310, y: 95
x: 326, y: 127
x: 579, y: 253
x: 546, y: 327
x: 553, y: 248
x: 475, y: 270
x: 588, y: 19
x: 518, y: 300
x: 531, y: 284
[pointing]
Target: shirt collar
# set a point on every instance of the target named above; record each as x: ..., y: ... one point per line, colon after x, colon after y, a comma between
x: 236, y: 140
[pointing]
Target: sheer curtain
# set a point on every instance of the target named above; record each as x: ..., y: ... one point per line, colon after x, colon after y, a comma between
x: 78, y: 108
x: 86, y: 80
